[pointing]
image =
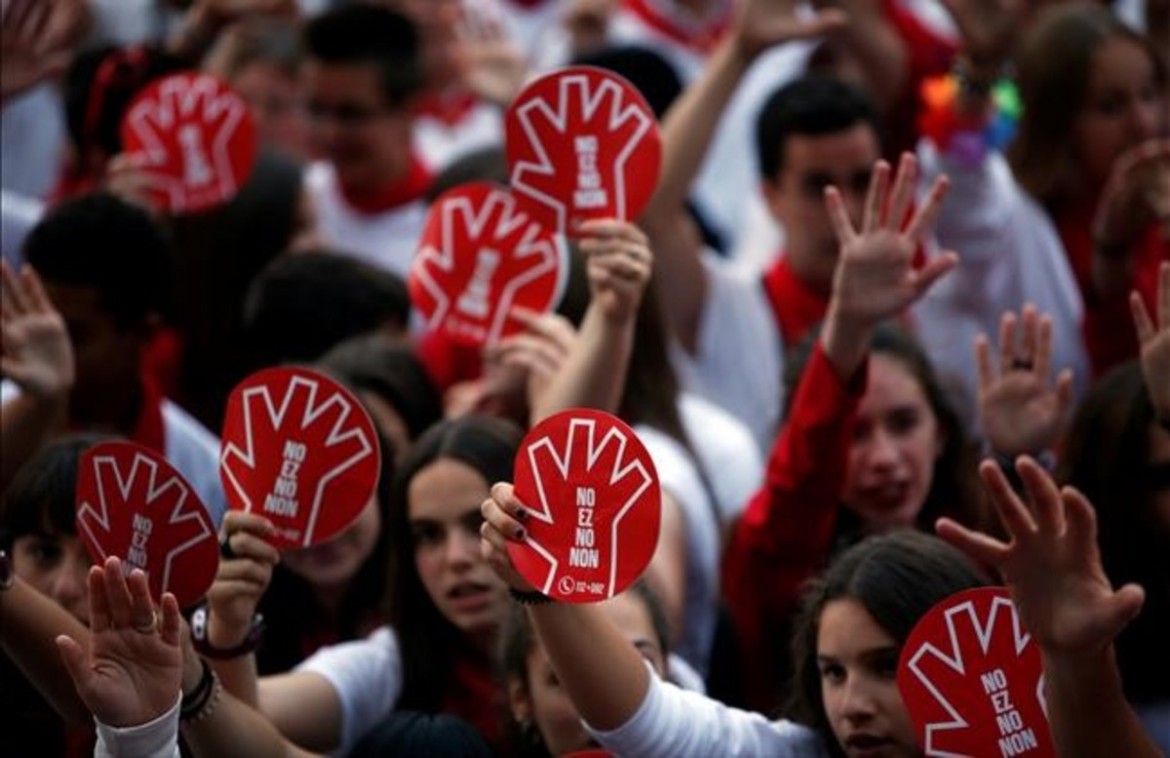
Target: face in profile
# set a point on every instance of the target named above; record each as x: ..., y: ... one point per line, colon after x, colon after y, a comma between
x: 56, y: 566
x: 858, y: 663
x: 896, y: 441
x: 444, y: 501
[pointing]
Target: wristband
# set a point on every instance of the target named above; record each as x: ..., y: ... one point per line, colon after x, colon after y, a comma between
x: 199, y: 624
x: 530, y: 598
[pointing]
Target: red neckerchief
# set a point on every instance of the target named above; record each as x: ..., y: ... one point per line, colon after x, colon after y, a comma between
x: 796, y: 307
x: 411, y: 187
x: 448, y: 108
x: 1108, y: 325
x: 474, y: 696
x: 149, y: 430
x: 699, y: 36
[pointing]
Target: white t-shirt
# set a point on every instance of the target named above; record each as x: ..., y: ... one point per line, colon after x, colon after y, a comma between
x: 18, y: 215
x: 730, y: 457
x: 189, y: 447
x: 1009, y: 254
x: 440, y: 143
x: 32, y: 132
x: 739, y: 358
x: 386, y: 240
x: 672, y: 722
x: 679, y: 477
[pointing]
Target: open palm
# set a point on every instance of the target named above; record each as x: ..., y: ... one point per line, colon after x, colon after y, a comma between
x: 1155, y: 341
x: 35, y: 351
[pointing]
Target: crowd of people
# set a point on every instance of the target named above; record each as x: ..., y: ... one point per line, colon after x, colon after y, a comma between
x: 894, y: 324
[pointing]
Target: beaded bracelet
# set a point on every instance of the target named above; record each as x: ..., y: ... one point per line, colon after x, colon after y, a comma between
x: 201, y: 701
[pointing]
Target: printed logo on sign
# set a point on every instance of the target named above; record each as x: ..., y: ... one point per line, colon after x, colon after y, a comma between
x: 575, y: 150
x: 192, y: 131
x: 569, y: 471
x: 515, y: 262
x: 152, y: 502
x: 305, y: 409
x: 968, y: 678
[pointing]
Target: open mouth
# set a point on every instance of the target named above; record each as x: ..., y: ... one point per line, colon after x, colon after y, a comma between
x: 867, y: 745
x: 468, y: 591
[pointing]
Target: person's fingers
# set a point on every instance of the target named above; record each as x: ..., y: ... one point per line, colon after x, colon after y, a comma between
x: 493, y: 536
x: 1124, y: 607
x: 825, y: 21
x: 1012, y: 513
x: 599, y: 228
x: 142, y: 613
x: 117, y: 593
x: 243, y: 570
x: 875, y: 198
x: 99, y: 606
x: 925, y: 217
x: 34, y: 291
x: 13, y: 291
x: 172, y: 620
x: 905, y: 183
x: 504, y: 496
x: 242, y: 521
x: 1141, y: 318
x: 1029, y: 336
x: 1047, y: 506
x: 226, y: 591
x: 74, y: 659
x: 502, y: 521
x: 520, y: 357
x: 543, y: 349
x: 978, y: 546
x: 842, y: 226
x: 935, y: 269
x: 983, y: 363
x: 1064, y: 393
x: 1007, y: 341
x: 256, y: 549
x: 1080, y: 522
x: 1043, y: 354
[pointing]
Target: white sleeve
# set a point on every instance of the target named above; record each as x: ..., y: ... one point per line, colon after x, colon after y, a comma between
x: 675, y: 722
x: 367, y: 676
x: 154, y: 739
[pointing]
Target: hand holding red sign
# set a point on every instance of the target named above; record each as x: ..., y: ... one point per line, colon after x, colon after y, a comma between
x: 582, y: 144
x: 301, y: 451
x: 194, y: 139
x: 132, y: 504
x: 479, y: 257
x: 594, y: 501
x: 971, y: 678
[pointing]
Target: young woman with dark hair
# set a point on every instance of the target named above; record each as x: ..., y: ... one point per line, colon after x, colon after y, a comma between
x: 444, y: 613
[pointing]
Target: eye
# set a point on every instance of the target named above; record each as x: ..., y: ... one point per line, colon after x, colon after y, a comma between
x: 832, y: 673
x: 425, y: 534
x: 472, y: 521
x: 903, y: 420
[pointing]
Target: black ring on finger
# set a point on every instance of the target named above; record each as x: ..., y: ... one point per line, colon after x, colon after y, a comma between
x: 1020, y: 364
x: 225, y: 549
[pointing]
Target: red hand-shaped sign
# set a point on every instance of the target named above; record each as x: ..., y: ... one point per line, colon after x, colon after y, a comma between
x: 593, y: 495
x: 480, y: 256
x: 972, y: 680
x: 194, y: 138
x: 301, y: 451
x: 582, y: 144
x: 133, y: 504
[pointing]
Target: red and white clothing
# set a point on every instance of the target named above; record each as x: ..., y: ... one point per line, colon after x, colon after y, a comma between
x: 380, y: 228
x: 684, y: 39
x: 447, y: 127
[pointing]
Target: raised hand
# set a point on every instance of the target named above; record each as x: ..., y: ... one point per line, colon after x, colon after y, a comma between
x: 35, y: 351
x: 504, y: 517
x: 35, y: 40
x: 1052, y: 565
x: 762, y: 24
x: 1155, y: 343
x: 245, y: 571
x: 619, y: 264
x: 1021, y: 410
x: 494, y: 68
x: 988, y: 28
x: 130, y: 672
x: 539, y: 352
x: 1137, y: 192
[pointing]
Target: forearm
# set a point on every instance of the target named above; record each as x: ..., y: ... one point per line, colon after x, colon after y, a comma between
x: 878, y: 49
x: 235, y: 729
x: 27, y: 423
x: 238, y: 676
x: 594, y: 374
x: 1087, y: 709
x: 602, y: 672
x: 29, y: 625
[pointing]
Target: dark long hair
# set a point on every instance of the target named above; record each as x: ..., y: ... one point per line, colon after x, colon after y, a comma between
x: 954, y: 489
x: 1107, y: 456
x: 897, y: 578
x: 428, y: 640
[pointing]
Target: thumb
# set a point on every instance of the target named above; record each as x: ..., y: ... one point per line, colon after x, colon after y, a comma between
x: 1124, y: 607
x: 74, y: 659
